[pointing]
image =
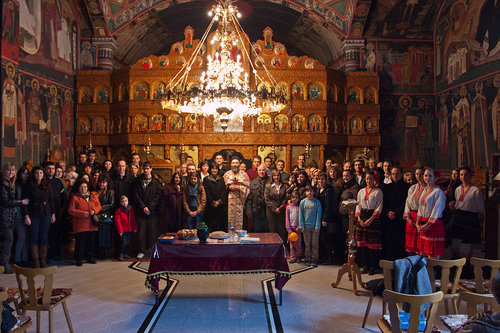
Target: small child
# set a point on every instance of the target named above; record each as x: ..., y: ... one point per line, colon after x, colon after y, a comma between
x: 292, y: 225
x: 309, y: 224
x: 125, y: 224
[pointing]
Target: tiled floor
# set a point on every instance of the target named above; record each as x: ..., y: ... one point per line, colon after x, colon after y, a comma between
x: 111, y: 297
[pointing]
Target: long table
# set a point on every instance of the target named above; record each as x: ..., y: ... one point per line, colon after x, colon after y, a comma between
x: 189, y: 257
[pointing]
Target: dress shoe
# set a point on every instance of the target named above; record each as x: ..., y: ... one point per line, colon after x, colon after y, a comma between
x: 79, y: 263
x: 91, y: 261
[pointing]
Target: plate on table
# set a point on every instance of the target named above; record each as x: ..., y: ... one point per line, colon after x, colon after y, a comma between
x: 218, y: 235
x: 166, y: 238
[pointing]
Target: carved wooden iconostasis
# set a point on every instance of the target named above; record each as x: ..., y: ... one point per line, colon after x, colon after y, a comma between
x: 335, y: 113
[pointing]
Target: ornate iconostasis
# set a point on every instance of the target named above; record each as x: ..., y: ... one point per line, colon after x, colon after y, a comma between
x: 120, y: 111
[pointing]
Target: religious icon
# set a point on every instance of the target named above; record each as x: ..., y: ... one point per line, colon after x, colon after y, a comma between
x: 54, y: 117
x: 355, y: 126
x: 180, y: 61
x: 175, y: 123
x: 315, y: 91
x: 264, y: 123
x: 188, y: 37
x: 297, y: 91
x: 257, y: 49
x: 141, y: 123
x: 163, y: 61
x: 370, y: 125
x: 281, y: 123
x: 141, y: 90
x: 281, y: 88
x: 264, y: 85
x: 86, y: 94
x: 102, y: 95
x: 298, y: 123
x: 314, y: 123
x: 159, y: 90
x: 353, y: 95
x: 309, y: 64
x: 158, y: 123
x: 279, y: 49
x: 198, y: 61
x: 193, y: 123
x: 83, y: 125
x: 268, y: 38
x: 146, y: 63
x: 369, y: 95
x: 293, y: 62
x: 99, y: 125
x: 275, y: 62
x: 177, y: 48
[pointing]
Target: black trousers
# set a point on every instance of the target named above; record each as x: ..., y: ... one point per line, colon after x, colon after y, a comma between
x: 148, y: 231
x: 393, y: 239
x: 85, y: 245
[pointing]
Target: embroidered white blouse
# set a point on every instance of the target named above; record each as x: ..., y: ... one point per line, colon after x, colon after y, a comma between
x: 370, y: 199
x: 431, y: 204
x: 470, y: 199
x: 412, y: 199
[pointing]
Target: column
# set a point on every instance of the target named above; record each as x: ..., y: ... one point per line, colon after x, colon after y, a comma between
x: 106, y: 46
x: 288, y: 164
x: 352, y: 51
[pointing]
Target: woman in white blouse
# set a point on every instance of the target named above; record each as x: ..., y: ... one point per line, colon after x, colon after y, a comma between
x: 429, y: 225
x: 468, y: 214
x: 368, y: 233
x: 410, y: 214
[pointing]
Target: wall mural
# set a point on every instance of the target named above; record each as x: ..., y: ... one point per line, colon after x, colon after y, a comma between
x: 39, y: 52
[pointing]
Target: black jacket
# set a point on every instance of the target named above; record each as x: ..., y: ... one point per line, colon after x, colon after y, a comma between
x: 148, y: 196
x: 256, y: 204
x: 349, y: 191
x: 59, y: 196
x: 329, y: 203
x: 107, y: 201
x: 41, y: 203
x: 395, y: 198
x: 215, y: 189
x: 123, y: 186
x: 8, y: 204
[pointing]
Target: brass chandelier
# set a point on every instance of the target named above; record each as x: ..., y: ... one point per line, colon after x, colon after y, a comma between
x: 223, y: 90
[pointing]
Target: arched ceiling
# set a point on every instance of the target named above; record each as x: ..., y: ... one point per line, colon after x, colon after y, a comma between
x: 306, y: 27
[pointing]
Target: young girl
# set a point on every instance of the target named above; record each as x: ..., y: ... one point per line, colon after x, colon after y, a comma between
x: 125, y: 224
x: 194, y: 201
x: 310, y: 223
x: 292, y: 225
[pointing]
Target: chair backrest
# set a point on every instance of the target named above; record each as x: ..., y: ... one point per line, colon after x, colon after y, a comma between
x: 388, y: 270
x: 479, y: 264
x: 474, y: 299
x: 3, y: 297
x: 31, y: 301
x: 393, y: 299
x: 446, y: 266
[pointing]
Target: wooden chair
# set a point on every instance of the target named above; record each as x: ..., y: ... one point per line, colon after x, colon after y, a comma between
x: 480, y: 285
x: 18, y: 328
x: 393, y: 298
x: 44, y: 298
x: 474, y: 299
x: 388, y: 268
x: 449, y: 289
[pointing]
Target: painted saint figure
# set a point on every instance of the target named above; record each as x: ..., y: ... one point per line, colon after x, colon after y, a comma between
x: 460, y: 125
x: 479, y: 128
x: 67, y: 120
x: 9, y: 110
x: 54, y: 118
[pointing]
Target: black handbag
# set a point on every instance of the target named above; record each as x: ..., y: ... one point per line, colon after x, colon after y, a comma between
x: 102, y: 218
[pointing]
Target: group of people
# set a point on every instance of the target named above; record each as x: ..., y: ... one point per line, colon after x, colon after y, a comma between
x: 396, y: 214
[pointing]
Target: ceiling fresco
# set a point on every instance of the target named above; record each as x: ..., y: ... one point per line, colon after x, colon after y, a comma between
x: 306, y: 27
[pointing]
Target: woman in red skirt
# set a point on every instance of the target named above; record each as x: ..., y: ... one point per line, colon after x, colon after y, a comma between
x: 429, y: 225
x: 368, y: 233
x: 411, y: 207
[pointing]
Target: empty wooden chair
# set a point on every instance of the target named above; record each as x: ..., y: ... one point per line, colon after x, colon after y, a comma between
x: 393, y: 299
x: 448, y: 288
x: 480, y: 285
x: 472, y: 300
x: 44, y: 298
x: 388, y: 269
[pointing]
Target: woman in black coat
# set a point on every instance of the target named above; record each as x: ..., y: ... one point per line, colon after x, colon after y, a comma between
x: 171, y: 210
x: 107, y: 199
x: 39, y: 214
x: 330, y: 222
x: 21, y: 230
x: 9, y: 210
x: 275, y: 197
x: 216, y: 208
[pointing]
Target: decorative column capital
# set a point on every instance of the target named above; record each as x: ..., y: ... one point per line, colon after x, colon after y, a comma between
x: 106, y: 46
x: 351, y: 49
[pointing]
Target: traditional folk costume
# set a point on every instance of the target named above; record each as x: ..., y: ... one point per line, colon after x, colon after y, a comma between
x: 432, y: 203
x: 370, y: 204
x: 411, y: 207
x: 469, y: 204
x: 236, y: 198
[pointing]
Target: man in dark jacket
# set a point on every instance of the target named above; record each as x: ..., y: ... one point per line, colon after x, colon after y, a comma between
x: 255, y: 206
x: 58, y: 230
x: 123, y: 182
x: 146, y: 194
x: 393, y: 224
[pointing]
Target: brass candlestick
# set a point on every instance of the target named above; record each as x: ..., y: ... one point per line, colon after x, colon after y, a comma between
x: 350, y: 266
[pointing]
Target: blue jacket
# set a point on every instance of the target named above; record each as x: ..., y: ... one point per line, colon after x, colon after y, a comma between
x: 411, y: 277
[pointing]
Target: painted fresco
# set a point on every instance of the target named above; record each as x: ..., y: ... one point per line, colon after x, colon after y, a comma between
x: 88, y: 55
x: 467, y: 42
x: 193, y: 123
x: 314, y: 123
x: 39, y: 59
x: 141, y: 123
x: 298, y: 123
x: 281, y: 123
x: 158, y: 123
x: 405, y: 67
x: 264, y: 123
